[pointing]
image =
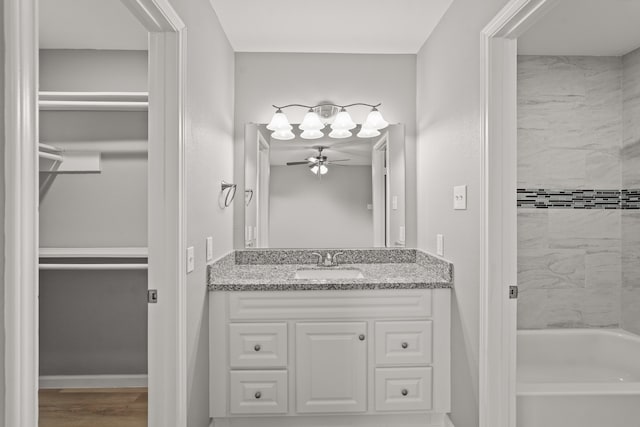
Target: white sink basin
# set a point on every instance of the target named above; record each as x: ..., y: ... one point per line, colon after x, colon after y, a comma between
x: 329, y: 273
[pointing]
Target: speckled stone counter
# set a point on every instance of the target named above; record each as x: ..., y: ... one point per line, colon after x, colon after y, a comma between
x: 275, y: 270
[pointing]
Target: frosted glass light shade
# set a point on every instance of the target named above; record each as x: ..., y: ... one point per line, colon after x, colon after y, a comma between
x: 367, y: 132
x: 340, y: 133
x: 375, y: 120
x: 343, y: 121
x: 279, y: 122
x: 311, y: 134
x: 322, y: 169
x: 283, y: 135
x: 311, y: 121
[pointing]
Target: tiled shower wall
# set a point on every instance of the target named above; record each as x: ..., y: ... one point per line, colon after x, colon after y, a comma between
x: 570, y: 138
x: 631, y: 179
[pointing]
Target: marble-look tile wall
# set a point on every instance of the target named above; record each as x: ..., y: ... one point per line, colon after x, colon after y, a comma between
x: 631, y: 179
x: 570, y: 131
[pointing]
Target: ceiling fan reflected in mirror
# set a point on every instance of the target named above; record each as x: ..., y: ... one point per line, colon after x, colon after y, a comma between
x: 318, y: 164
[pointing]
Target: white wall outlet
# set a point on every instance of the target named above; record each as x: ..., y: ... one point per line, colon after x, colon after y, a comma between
x: 369, y: 206
x: 439, y: 245
x: 460, y: 197
x: 209, y: 249
x: 402, y: 234
x: 191, y: 259
x: 394, y: 203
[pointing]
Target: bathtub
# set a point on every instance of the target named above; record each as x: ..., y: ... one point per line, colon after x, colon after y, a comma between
x: 578, y: 378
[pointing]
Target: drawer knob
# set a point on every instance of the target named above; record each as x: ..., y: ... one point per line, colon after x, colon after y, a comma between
x: 258, y: 395
x: 257, y: 347
x: 361, y: 337
x: 404, y: 392
x: 405, y: 344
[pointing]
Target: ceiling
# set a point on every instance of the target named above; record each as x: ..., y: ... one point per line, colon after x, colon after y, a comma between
x: 585, y: 27
x: 330, y: 26
x: 89, y: 24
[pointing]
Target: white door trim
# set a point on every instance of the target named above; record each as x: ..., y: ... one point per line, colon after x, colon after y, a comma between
x: 21, y: 213
x: 167, y: 326
x: 498, y: 211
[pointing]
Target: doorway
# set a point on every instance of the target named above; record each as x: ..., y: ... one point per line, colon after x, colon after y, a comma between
x: 166, y: 318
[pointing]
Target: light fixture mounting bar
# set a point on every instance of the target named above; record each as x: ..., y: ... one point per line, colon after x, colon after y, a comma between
x: 328, y: 104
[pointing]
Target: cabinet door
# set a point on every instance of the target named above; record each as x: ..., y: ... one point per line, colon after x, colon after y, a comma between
x: 331, y: 367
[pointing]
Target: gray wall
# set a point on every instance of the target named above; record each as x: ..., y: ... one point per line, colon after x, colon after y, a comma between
x: 263, y: 79
x: 209, y: 160
x: 329, y: 212
x: 449, y: 154
x: 631, y: 180
x: 569, y: 137
x: 2, y: 200
x: 94, y: 322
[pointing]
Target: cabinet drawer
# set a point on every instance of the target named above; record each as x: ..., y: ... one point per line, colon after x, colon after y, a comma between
x: 258, y: 345
x: 404, y: 343
x: 258, y: 392
x: 403, y: 389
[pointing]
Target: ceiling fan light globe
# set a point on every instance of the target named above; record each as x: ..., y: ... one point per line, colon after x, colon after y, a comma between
x: 314, y: 169
x: 323, y: 169
x: 311, y: 134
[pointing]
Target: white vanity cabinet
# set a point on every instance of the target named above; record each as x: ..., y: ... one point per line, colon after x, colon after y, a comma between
x: 349, y: 353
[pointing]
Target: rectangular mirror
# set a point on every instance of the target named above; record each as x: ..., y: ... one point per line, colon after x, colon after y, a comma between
x: 324, y: 193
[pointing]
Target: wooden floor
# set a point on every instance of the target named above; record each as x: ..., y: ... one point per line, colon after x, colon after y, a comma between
x: 93, y: 407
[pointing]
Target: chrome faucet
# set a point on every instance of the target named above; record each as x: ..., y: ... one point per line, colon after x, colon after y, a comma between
x: 328, y: 260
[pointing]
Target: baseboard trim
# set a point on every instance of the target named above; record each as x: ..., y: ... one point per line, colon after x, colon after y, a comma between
x: 448, y: 422
x: 92, y: 381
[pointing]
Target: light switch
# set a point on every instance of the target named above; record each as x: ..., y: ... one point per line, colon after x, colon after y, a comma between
x: 191, y: 259
x: 369, y: 206
x: 394, y: 203
x: 460, y: 197
x: 209, y: 249
x: 440, y: 245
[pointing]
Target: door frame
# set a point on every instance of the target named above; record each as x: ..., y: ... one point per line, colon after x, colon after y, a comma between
x: 498, y: 239
x: 167, y: 319
x: 380, y: 193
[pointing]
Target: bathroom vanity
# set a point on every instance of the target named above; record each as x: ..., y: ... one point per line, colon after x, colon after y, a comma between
x: 375, y: 348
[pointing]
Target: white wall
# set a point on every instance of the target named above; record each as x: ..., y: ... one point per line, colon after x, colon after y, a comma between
x: 2, y: 211
x: 263, y: 79
x: 330, y: 212
x: 209, y: 160
x: 448, y: 154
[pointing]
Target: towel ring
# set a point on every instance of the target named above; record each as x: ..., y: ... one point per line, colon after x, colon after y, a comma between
x: 231, y: 193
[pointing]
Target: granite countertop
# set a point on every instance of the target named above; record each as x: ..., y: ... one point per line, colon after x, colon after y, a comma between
x: 275, y: 269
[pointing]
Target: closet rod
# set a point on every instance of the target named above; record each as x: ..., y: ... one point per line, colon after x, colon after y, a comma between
x: 94, y: 266
x: 55, y: 157
x: 49, y: 147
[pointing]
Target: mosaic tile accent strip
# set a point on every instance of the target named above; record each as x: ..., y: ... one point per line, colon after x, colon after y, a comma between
x: 578, y: 199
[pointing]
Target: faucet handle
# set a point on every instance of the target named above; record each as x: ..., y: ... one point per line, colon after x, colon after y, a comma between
x: 335, y: 258
x: 319, y: 255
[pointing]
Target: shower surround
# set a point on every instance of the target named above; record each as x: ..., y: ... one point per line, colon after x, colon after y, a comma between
x: 578, y: 198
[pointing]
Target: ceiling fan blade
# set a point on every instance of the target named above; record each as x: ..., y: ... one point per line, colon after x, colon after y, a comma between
x: 297, y: 163
x: 339, y: 160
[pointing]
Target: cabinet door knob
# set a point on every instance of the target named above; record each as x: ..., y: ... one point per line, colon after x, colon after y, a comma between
x: 405, y: 344
x: 404, y: 392
x: 361, y: 337
x: 258, y: 395
x: 257, y: 347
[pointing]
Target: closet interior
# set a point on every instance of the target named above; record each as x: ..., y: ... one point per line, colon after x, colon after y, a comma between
x: 93, y: 221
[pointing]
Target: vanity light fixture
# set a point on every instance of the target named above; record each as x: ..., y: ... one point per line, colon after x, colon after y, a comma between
x: 312, y: 125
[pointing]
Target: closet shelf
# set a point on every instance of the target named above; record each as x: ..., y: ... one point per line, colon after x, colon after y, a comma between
x: 93, y: 101
x: 105, y: 266
x: 124, y: 252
